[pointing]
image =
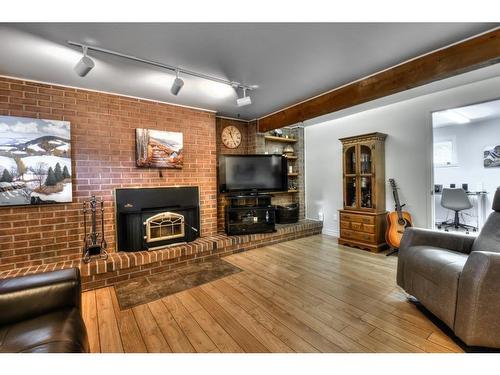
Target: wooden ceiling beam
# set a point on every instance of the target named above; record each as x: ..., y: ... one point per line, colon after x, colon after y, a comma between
x: 462, y: 57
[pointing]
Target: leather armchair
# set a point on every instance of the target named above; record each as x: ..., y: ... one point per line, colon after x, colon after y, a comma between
x: 42, y: 313
x: 457, y: 278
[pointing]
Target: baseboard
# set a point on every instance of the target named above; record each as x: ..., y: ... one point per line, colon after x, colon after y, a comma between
x: 330, y: 232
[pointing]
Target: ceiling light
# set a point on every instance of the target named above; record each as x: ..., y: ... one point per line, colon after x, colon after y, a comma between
x: 245, y: 100
x: 177, y: 85
x: 457, y: 117
x: 85, y: 65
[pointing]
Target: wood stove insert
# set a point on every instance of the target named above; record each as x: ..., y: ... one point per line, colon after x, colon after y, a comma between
x: 148, y: 218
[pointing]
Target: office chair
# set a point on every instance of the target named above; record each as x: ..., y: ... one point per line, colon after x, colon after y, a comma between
x: 455, y: 200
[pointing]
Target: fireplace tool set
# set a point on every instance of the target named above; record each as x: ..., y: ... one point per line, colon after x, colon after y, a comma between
x: 94, y: 243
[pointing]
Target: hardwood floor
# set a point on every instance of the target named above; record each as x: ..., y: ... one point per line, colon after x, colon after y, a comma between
x: 306, y: 295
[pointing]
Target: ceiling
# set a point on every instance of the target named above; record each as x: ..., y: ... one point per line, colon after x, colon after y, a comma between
x: 465, y: 115
x: 288, y: 62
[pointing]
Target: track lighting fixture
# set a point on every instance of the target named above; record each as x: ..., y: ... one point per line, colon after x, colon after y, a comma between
x: 245, y: 100
x: 85, y: 65
x: 177, y: 85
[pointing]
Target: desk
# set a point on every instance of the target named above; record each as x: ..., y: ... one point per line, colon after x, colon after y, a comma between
x: 474, y: 216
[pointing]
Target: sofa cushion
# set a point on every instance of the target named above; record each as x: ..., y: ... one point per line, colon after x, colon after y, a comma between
x: 489, y: 238
x: 437, y: 264
x: 61, y: 331
x: 431, y: 275
x: 496, y: 201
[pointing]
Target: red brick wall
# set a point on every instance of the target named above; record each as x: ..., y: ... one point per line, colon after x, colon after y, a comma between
x: 221, y: 123
x: 103, y: 152
x: 252, y: 140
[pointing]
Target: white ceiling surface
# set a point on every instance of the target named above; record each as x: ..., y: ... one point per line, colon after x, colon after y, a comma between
x: 464, y: 115
x: 289, y: 62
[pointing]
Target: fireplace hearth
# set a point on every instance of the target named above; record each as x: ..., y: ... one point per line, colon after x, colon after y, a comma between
x: 150, y: 218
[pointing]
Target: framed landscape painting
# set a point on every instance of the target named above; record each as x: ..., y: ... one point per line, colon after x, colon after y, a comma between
x: 491, y: 157
x: 35, y: 161
x: 159, y: 149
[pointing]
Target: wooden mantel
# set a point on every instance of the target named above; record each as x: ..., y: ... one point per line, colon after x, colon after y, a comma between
x: 461, y: 57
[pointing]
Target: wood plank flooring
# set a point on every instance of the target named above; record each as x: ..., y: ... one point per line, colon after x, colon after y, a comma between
x: 306, y: 295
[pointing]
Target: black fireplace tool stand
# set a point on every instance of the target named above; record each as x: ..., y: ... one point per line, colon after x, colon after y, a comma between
x: 94, y: 243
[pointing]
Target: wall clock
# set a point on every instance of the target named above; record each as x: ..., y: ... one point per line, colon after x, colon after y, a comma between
x: 231, y: 136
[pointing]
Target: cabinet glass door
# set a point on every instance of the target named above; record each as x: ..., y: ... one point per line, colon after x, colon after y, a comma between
x: 350, y: 160
x: 366, y: 192
x: 365, y: 159
x: 350, y: 192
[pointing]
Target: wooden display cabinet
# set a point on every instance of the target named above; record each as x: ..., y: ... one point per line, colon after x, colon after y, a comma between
x: 363, y: 218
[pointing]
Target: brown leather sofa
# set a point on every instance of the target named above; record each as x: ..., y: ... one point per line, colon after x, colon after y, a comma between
x: 457, y: 278
x: 42, y: 314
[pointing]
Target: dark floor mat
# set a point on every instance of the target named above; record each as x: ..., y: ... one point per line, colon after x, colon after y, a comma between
x: 149, y: 288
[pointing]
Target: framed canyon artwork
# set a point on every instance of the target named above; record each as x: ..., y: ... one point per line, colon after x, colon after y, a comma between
x: 35, y: 161
x: 159, y: 149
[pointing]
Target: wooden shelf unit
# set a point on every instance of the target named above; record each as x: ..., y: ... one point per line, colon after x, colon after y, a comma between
x: 363, y: 218
x: 291, y: 158
x: 291, y: 191
x: 272, y: 138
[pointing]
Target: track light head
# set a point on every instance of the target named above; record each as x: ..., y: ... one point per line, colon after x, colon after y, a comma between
x: 177, y: 85
x: 245, y: 100
x: 241, y: 102
x: 85, y: 65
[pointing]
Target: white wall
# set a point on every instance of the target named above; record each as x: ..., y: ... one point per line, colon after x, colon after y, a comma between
x: 408, y: 150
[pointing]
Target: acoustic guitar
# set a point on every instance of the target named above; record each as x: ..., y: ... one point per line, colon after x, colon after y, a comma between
x: 397, y: 220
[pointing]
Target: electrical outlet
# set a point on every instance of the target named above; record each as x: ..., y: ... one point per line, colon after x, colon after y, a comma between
x: 335, y: 216
x: 320, y: 216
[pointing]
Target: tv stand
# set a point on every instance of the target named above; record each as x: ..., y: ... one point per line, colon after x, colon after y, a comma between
x: 250, y: 213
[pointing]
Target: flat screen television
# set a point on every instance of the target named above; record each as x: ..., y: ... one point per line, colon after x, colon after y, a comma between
x: 259, y: 173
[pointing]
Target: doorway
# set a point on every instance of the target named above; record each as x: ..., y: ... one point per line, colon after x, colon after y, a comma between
x: 466, y: 165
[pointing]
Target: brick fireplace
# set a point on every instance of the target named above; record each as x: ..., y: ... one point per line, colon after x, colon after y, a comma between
x: 103, y: 152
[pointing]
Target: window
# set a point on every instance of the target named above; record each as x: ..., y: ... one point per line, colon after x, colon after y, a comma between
x: 445, y: 153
